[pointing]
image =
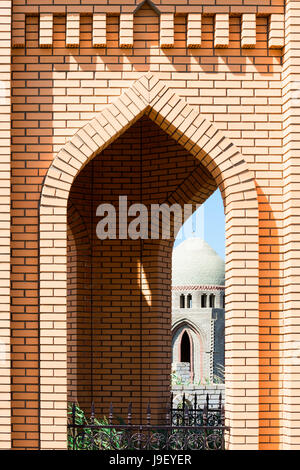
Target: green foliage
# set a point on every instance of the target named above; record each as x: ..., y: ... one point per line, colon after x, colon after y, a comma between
x: 106, y: 439
x: 88, y: 438
x: 177, y: 380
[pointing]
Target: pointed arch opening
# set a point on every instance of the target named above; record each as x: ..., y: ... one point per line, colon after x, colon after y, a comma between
x: 185, y: 348
x: 218, y: 163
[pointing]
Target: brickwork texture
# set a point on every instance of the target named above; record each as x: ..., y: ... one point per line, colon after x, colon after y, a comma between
x: 185, y: 96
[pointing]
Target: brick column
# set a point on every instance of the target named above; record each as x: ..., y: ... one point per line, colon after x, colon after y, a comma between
x: 291, y: 228
x: 5, y: 51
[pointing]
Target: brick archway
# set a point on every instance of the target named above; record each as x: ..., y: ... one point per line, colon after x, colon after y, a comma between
x: 149, y: 96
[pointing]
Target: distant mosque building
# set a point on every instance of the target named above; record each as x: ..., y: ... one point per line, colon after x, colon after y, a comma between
x: 198, y: 312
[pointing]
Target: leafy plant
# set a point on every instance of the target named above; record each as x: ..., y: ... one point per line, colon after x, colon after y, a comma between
x: 177, y: 380
x: 88, y: 438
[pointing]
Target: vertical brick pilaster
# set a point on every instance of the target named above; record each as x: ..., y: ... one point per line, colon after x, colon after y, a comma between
x: 18, y: 30
x: 46, y: 29
x: 276, y: 31
x: 73, y: 30
x: 194, y: 26
x: 99, y: 30
x: 126, y: 30
x: 167, y: 30
x: 248, y: 30
x: 221, y: 30
x: 5, y: 151
x: 291, y: 228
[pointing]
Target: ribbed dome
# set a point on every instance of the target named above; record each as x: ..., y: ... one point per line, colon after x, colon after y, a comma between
x: 195, y: 263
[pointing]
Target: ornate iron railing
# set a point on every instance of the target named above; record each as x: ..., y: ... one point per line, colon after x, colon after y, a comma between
x: 191, y: 414
x: 185, y: 428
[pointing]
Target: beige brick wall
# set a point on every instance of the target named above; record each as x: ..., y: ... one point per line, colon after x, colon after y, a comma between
x: 5, y: 55
x: 291, y: 246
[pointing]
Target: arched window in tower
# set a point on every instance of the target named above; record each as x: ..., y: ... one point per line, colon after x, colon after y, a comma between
x: 182, y: 301
x: 185, y: 348
x: 203, y: 301
x: 189, y: 301
x: 212, y: 301
x: 223, y: 300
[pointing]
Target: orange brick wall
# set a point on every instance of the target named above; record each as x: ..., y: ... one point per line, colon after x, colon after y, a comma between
x: 56, y: 90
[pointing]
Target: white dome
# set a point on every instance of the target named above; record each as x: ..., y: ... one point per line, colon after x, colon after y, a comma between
x: 195, y: 263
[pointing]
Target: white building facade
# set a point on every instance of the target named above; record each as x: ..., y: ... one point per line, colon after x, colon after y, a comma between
x: 198, y: 312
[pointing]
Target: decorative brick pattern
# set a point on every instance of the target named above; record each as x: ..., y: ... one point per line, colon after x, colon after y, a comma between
x: 166, y: 30
x: 194, y: 25
x: 73, y: 30
x: 99, y: 30
x: 221, y: 30
x: 126, y: 30
x: 210, y: 287
x: 248, y: 30
x: 5, y: 136
x: 18, y: 30
x: 276, y: 31
x: 46, y: 30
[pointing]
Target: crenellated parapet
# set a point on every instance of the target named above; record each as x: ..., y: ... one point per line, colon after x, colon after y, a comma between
x: 166, y: 30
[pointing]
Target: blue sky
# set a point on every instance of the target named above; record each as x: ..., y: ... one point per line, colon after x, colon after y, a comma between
x: 209, y: 223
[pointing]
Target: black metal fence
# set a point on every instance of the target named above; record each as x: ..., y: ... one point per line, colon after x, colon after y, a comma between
x: 186, y: 427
